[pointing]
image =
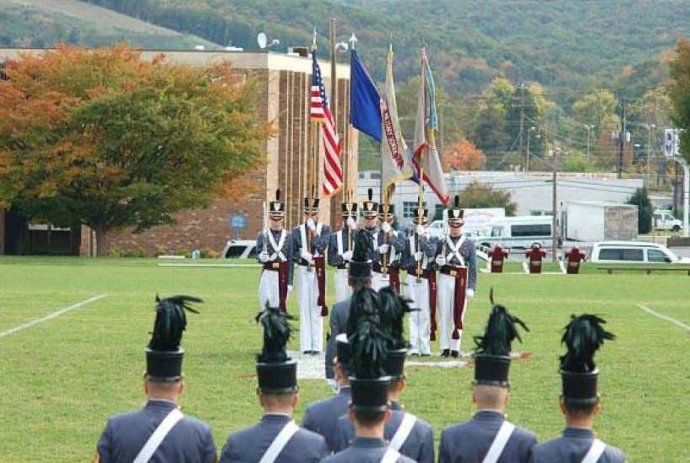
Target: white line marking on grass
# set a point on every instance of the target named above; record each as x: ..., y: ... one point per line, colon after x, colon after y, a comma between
x: 50, y: 316
x: 209, y: 265
x: 664, y: 317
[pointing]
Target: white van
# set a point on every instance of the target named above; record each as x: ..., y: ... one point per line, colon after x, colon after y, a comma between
x: 518, y: 232
x: 633, y: 252
x: 664, y: 220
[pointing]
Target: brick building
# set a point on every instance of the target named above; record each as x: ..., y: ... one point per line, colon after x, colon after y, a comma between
x: 285, y: 81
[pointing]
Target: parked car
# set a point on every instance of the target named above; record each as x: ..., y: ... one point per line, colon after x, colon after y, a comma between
x: 517, y: 232
x: 633, y: 252
x: 239, y: 249
x: 664, y: 220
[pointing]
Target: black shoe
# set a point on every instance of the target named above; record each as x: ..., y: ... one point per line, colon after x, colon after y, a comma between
x: 454, y: 353
x: 445, y: 353
x: 306, y: 352
x: 315, y: 352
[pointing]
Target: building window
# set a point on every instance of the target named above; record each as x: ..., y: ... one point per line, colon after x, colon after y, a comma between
x: 410, y: 209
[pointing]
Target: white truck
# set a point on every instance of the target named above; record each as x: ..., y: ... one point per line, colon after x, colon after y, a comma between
x: 476, y: 219
x: 599, y: 221
x: 664, y: 220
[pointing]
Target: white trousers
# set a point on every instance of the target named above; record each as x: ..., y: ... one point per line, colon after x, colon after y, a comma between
x: 446, y: 299
x: 379, y: 280
x: 420, y: 321
x: 342, y: 289
x: 269, y: 289
x: 310, y: 321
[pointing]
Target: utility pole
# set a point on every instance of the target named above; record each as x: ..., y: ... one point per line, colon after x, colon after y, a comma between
x: 522, y: 121
x: 554, y: 209
x: 621, y: 140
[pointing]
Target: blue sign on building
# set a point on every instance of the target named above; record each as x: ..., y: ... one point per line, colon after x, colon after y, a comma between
x: 238, y: 221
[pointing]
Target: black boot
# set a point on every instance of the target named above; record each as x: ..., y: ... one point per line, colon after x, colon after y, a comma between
x: 454, y: 353
x: 445, y: 353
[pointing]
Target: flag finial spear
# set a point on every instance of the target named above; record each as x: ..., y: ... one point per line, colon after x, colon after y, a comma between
x: 353, y: 41
x: 313, y: 40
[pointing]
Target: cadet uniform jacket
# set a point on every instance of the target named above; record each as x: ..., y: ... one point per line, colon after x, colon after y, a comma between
x: 572, y: 448
x: 322, y: 417
x: 249, y: 445
x: 273, y: 252
x: 340, y: 312
x: 468, y: 252
x: 418, y: 446
x: 364, y: 450
x: 470, y: 441
x: 189, y: 441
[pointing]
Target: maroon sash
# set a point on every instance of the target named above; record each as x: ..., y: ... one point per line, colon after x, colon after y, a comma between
x: 459, y: 300
x: 394, y: 279
x: 283, y: 286
x: 321, y: 281
x: 432, y: 303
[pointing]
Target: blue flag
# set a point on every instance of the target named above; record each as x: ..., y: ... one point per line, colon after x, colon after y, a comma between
x: 365, y: 100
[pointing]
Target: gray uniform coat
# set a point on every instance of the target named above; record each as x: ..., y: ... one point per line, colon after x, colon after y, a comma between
x: 190, y: 440
x: 337, y: 322
x: 322, y: 417
x: 468, y: 251
x: 470, y: 441
x: 249, y: 445
x: 364, y: 450
x: 286, y: 249
x: 418, y: 446
x: 572, y: 448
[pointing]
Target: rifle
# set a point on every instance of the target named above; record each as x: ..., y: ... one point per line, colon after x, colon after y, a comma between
x: 265, y: 247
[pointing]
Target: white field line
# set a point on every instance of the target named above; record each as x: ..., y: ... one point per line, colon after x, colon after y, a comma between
x: 52, y: 315
x: 664, y: 317
x: 208, y: 265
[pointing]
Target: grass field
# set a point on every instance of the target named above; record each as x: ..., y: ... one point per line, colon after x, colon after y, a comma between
x: 60, y: 379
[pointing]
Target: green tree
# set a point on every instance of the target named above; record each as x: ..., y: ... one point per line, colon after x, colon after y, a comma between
x: 679, y: 92
x: 645, y: 211
x: 106, y: 139
x: 479, y: 194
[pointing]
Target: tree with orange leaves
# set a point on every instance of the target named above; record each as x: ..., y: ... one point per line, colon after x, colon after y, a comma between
x: 106, y: 139
x: 463, y: 155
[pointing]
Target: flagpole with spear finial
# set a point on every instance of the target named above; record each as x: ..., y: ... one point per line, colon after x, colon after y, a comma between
x: 312, y: 162
x: 348, y: 154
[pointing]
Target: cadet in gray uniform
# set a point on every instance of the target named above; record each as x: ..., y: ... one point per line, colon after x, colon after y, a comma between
x: 322, y: 416
x: 276, y: 438
x: 488, y: 437
x: 369, y: 408
x: 457, y: 261
x: 359, y: 276
x: 159, y: 432
x: 340, y: 250
x: 404, y: 432
x: 580, y: 400
x: 390, y: 245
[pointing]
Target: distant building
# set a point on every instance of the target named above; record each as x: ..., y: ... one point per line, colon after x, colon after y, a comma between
x: 285, y: 82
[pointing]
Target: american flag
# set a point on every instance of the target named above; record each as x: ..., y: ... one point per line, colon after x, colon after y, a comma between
x: 332, y: 172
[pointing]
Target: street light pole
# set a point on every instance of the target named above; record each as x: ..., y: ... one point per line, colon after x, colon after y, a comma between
x: 529, y: 132
x: 649, y: 128
x: 686, y: 193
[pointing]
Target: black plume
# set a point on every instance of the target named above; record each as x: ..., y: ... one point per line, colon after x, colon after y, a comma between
x: 370, y: 193
x: 277, y: 331
x: 363, y: 245
x: 582, y: 337
x: 501, y: 331
x: 367, y: 339
x: 393, y: 309
x: 171, y: 321
x: 278, y: 194
x: 457, y: 201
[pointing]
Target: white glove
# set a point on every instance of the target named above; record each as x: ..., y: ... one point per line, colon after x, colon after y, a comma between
x: 307, y: 256
x: 440, y: 260
x: 289, y: 288
x: 385, y: 227
x: 273, y: 256
x: 263, y: 257
x: 420, y: 230
x: 311, y: 225
x: 347, y: 255
x: 470, y: 293
x: 383, y: 249
x: 419, y: 255
x: 351, y: 223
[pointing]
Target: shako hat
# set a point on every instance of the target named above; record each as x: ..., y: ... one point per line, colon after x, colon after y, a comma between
x: 348, y: 209
x: 360, y: 266
x: 369, y: 206
x: 492, y: 355
x: 455, y: 214
x: 311, y: 203
x: 276, y: 208
x: 583, y: 336
x: 392, y: 309
x: 386, y: 211
x: 369, y: 345
x: 164, y: 354
x: 276, y: 371
x: 422, y: 212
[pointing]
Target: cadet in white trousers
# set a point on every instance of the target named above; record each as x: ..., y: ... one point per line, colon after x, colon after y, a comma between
x: 340, y: 250
x: 309, y: 243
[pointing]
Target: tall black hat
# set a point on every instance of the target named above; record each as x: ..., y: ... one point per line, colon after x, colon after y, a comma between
x: 369, y: 344
x: 360, y: 266
x: 492, y: 357
x: 393, y: 309
x: 455, y: 214
x: 370, y: 207
x: 311, y: 203
x: 277, y: 207
x: 164, y: 354
x: 386, y: 211
x: 348, y: 209
x: 276, y: 371
x: 583, y: 336
x: 423, y: 212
